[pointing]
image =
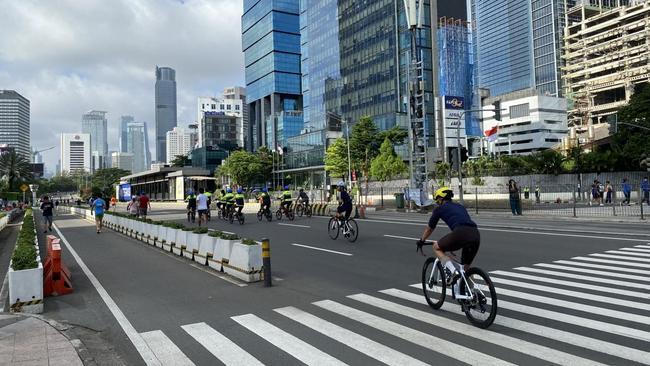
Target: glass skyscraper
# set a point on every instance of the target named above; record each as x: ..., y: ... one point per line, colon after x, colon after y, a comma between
x: 166, y: 117
x: 95, y: 124
x: 138, y: 145
x: 124, y: 122
x: 14, y: 122
x: 271, y: 45
x: 518, y: 45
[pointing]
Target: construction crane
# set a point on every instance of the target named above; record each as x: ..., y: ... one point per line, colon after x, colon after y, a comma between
x: 40, y: 151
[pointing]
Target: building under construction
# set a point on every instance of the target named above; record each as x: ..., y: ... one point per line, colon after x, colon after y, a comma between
x: 607, y: 57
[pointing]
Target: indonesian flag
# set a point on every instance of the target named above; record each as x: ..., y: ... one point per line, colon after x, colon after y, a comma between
x: 492, y: 133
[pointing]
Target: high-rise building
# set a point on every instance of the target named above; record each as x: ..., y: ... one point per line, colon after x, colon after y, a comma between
x: 122, y: 160
x: 95, y: 124
x: 138, y: 145
x: 14, y: 122
x: 271, y: 45
x: 231, y: 107
x: 75, y: 152
x: 194, y: 134
x: 166, y: 117
x: 125, y: 120
x: 607, y: 59
x: 239, y: 93
x: 179, y: 142
x: 219, y: 130
x: 519, y: 48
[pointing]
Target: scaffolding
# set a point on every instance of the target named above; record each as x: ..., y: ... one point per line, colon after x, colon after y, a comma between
x: 606, y: 55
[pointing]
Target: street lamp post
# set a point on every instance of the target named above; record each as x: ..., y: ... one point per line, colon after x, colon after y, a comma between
x: 33, y: 188
x: 347, y: 138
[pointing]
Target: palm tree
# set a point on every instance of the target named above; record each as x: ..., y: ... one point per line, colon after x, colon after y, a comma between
x: 14, y: 167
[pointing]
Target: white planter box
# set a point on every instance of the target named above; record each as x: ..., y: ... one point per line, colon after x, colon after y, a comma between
x: 223, y: 249
x: 27, y: 285
x: 245, y: 262
x: 206, y: 249
x: 156, y: 236
x: 3, y: 222
x: 192, y: 244
x: 181, y: 242
x: 169, y: 238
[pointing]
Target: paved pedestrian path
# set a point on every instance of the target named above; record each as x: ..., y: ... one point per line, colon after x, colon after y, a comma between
x: 585, y: 310
x: 28, y: 340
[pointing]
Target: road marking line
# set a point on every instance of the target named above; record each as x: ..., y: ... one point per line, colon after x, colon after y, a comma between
x: 579, y: 295
x: 164, y: 349
x: 636, y: 250
x: 138, y: 342
x: 614, y: 269
x: 618, y: 264
x: 628, y: 253
x: 646, y: 260
x: 400, y: 237
x: 567, y: 235
x: 294, y: 225
x: 358, y: 342
x: 541, y: 352
x: 464, y: 354
x: 221, y: 347
x: 321, y: 249
x: 290, y: 344
x: 599, y: 279
x: 579, y: 285
x: 643, y: 246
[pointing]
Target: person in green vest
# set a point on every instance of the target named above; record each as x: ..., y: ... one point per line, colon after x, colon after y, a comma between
x: 286, y: 199
x: 209, y: 195
x: 221, y: 205
x: 191, y: 206
x: 239, y: 200
x: 229, y: 201
x: 265, y: 200
x: 526, y: 192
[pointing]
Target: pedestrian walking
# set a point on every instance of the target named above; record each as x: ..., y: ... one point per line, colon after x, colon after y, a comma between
x: 515, y: 199
x: 627, y: 191
x: 202, y: 206
x: 608, y: 192
x: 145, y: 205
x: 645, y: 187
x: 98, y: 208
x: 526, y: 192
x: 113, y: 202
x: 537, y: 194
x: 596, y: 193
x: 47, y: 207
x: 133, y: 207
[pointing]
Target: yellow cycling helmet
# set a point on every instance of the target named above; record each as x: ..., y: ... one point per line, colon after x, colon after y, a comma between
x: 444, y: 193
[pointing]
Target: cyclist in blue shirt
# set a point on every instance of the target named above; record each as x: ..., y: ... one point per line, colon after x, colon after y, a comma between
x: 464, y: 232
x: 98, y: 208
x: 345, y: 202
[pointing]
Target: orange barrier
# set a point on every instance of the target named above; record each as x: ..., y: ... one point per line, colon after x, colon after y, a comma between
x: 56, y: 275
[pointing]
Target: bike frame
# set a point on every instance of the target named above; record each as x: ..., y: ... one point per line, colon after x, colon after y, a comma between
x: 461, y: 271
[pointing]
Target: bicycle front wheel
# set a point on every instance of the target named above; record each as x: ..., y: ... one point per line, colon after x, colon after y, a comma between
x: 299, y: 211
x: 433, y: 283
x: 241, y: 219
x: 353, y: 232
x: 269, y: 216
x: 481, y: 310
x: 290, y: 215
x: 333, y: 228
x: 259, y: 215
x: 308, y: 212
x: 231, y: 217
x: 278, y: 214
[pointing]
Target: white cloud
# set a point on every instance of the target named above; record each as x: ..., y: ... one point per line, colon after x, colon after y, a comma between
x: 71, y: 56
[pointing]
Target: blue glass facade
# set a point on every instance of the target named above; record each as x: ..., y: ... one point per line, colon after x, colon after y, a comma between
x: 271, y: 45
x: 518, y: 48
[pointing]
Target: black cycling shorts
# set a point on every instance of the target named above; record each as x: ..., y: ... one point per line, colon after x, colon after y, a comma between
x: 466, y: 238
x: 347, y: 208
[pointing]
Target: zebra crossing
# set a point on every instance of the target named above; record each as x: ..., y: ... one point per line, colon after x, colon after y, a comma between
x: 586, y: 310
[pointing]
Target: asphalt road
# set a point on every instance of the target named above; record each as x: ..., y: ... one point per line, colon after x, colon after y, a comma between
x: 585, y: 311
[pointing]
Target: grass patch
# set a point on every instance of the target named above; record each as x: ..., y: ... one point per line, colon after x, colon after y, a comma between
x: 24, y: 256
x: 200, y: 230
x: 249, y: 242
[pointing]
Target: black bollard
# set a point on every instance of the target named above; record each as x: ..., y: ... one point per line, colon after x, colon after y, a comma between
x: 266, y: 262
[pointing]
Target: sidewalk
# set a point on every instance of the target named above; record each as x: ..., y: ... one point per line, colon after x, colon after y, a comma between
x: 31, y: 340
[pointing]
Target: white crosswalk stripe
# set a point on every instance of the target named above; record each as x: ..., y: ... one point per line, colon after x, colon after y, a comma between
x: 537, y: 320
x: 635, y: 250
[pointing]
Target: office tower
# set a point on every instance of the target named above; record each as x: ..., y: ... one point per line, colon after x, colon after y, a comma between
x: 239, y: 93
x: 125, y: 120
x: 75, y: 153
x: 179, y: 142
x: 165, y: 108
x: 271, y: 45
x: 95, y: 124
x: 14, y: 122
x: 194, y: 134
x: 518, y: 48
x: 230, y: 107
x: 122, y: 160
x: 138, y: 145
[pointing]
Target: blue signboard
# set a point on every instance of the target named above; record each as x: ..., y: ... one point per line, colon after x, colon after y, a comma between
x: 124, y: 192
x: 454, y: 102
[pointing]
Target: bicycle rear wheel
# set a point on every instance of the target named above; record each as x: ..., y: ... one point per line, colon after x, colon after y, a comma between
x: 308, y: 212
x: 231, y: 217
x: 433, y: 283
x: 290, y: 215
x: 259, y: 215
x: 333, y: 228
x: 278, y: 214
x: 300, y: 210
x: 241, y: 219
x: 269, y: 215
x: 353, y: 234
x: 482, y: 310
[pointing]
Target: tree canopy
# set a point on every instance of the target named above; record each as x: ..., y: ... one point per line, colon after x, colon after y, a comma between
x: 387, y: 165
x: 336, y: 158
x: 15, y: 168
x: 181, y: 161
x: 105, y: 180
x: 630, y: 142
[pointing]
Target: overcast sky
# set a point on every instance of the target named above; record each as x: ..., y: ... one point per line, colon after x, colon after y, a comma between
x: 71, y: 56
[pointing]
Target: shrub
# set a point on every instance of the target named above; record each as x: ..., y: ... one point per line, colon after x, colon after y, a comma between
x: 24, y: 256
x: 173, y: 225
x: 184, y: 228
x: 225, y: 236
x: 216, y: 234
x: 200, y: 230
x: 249, y: 242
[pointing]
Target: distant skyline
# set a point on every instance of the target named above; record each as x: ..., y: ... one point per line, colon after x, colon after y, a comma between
x: 68, y: 58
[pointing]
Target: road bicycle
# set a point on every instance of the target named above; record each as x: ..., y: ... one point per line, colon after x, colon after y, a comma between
x: 288, y: 213
x: 235, y: 214
x: 303, y: 208
x: 348, y: 227
x: 473, y: 290
x: 191, y: 215
x: 264, y: 213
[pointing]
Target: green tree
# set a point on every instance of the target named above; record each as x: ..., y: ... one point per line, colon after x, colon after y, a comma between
x: 181, y: 161
x: 441, y: 172
x: 266, y: 158
x: 336, y: 158
x: 15, y: 168
x: 105, y: 180
x: 547, y: 162
x: 387, y: 164
x: 631, y: 142
x: 243, y: 167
